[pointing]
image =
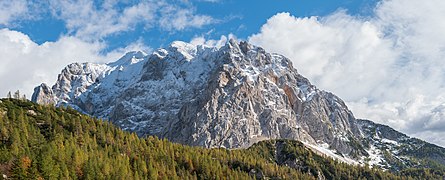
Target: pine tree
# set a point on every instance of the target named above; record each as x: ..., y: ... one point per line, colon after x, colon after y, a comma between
x: 17, y: 95
x: 4, y: 133
x: 49, y: 168
x: 153, y: 172
x: 16, y: 142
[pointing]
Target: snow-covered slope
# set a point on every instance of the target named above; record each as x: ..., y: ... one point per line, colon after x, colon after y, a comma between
x: 230, y: 97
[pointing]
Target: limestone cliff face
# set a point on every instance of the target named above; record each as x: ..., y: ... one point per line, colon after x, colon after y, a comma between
x: 231, y: 96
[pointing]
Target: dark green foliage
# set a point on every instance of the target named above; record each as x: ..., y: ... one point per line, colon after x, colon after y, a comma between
x: 60, y: 143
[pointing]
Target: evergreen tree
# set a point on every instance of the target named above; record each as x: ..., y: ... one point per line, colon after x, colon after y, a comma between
x: 17, y: 94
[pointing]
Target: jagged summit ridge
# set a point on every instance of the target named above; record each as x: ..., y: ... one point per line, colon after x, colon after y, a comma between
x: 231, y: 96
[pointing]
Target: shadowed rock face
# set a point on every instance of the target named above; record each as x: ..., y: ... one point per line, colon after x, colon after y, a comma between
x: 230, y: 97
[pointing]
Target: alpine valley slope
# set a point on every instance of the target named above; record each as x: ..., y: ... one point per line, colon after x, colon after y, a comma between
x: 231, y: 97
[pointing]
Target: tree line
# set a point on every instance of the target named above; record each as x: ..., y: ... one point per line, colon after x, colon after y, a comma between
x: 16, y: 95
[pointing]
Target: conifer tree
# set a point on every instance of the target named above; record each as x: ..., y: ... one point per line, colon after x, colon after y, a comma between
x: 17, y: 94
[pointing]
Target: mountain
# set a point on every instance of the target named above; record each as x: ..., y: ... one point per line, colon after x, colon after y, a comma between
x: 231, y: 97
x: 393, y: 150
x: 44, y: 142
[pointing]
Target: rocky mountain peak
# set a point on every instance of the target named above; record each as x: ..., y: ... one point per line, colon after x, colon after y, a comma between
x: 231, y: 97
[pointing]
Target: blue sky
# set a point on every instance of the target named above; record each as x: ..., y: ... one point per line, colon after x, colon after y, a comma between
x: 241, y: 18
x: 384, y: 58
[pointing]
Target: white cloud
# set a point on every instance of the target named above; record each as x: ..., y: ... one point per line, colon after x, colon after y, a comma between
x: 88, y: 20
x: 15, y: 10
x: 211, y: 1
x: 173, y: 18
x: 201, y: 40
x: 25, y: 64
x: 388, y: 67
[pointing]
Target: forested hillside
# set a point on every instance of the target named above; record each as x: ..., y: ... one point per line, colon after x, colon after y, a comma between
x: 45, y: 142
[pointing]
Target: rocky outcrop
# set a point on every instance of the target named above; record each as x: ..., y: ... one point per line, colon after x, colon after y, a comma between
x: 43, y: 94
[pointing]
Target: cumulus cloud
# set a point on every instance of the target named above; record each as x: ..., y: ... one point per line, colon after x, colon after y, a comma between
x: 388, y: 67
x: 87, y: 19
x: 41, y: 63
